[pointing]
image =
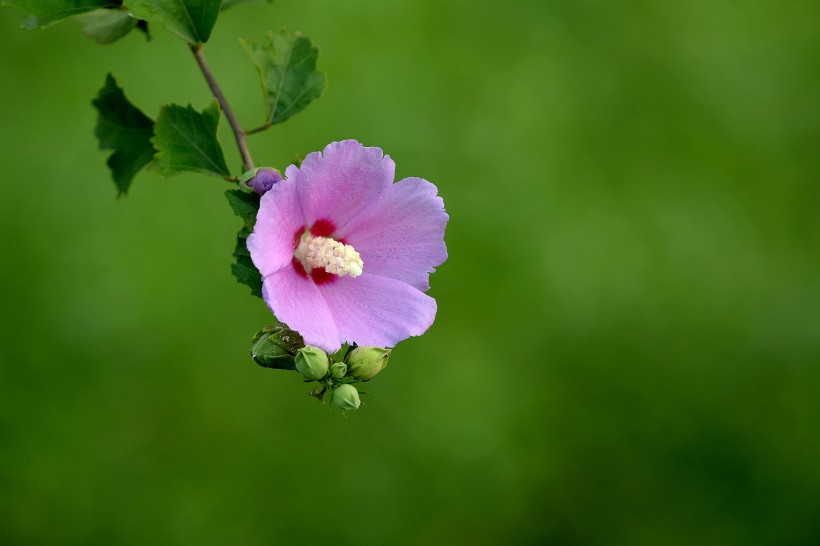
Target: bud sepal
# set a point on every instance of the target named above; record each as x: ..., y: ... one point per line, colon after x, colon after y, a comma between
x: 275, y: 347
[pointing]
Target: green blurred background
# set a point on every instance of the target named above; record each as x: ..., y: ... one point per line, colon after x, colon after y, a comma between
x: 628, y: 337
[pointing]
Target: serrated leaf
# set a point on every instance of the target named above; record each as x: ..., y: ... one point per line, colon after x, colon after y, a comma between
x: 186, y: 140
x: 122, y: 127
x: 227, y: 4
x: 246, y: 273
x: 42, y: 13
x: 106, y: 26
x: 191, y: 20
x: 287, y: 66
x: 245, y: 205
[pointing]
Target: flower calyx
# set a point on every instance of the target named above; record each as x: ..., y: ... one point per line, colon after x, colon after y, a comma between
x: 276, y: 346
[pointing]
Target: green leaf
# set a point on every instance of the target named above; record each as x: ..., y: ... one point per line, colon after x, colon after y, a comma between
x: 42, y: 13
x: 226, y: 4
x: 287, y: 65
x: 122, y: 127
x: 191, y: 20
x: 106, y: 26
x: 244, y: 270
x: 245, y: 205
x: 186, y: 140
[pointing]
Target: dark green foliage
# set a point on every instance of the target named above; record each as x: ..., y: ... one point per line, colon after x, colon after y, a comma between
x: 245, y: 205
x: 122, y: 127
x: 191, y: 20
x: 244, y: 270
x: 186, y: 140
x: 42, y: 13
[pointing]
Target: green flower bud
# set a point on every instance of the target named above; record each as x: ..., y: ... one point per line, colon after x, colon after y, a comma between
x: 365, y: 362
x: 346, y: 397
x: 275, y: 346
x: 338, y: 370
x: 312, y: 363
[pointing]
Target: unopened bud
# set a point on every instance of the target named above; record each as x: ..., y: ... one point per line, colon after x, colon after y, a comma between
x: 263, y: 180
x: 338, y: 370
x: 275, y: 346
x: 312, y: 363
x: 346, y: 397
x: 365, y: 362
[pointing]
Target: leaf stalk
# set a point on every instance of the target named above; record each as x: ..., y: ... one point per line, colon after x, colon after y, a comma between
x: 259, y: 129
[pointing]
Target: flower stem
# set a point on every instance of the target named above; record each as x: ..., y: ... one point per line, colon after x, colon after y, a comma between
x: 238, y: 132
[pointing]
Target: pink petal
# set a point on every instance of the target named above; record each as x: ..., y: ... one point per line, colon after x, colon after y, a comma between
x: 339, y: 182
x: 401, y: 233
x: 280, y: 217
x: 374, y: 310
x: 296, y: 301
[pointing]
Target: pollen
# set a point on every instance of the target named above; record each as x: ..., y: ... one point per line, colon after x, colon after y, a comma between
x: 329, y: 254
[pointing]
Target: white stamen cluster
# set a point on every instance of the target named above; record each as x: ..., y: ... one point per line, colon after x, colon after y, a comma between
x: 335, y: 257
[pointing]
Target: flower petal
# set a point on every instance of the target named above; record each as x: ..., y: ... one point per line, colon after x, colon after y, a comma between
x: 401, y: 233
x: 279, y: 218
x: 379, y: 311
x: 339, y: 182
x: 296, y: 301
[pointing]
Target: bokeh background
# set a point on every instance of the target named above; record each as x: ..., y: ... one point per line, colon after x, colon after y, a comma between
x: 628, y: 337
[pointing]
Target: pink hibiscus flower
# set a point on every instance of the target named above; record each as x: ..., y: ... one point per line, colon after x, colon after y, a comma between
x: 345, y: 254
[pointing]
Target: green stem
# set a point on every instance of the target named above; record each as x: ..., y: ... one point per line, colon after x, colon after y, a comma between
x: 239, y: 133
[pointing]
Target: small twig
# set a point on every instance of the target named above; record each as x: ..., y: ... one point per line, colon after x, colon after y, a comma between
x: 238, y: 132
x: 259, y: 129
